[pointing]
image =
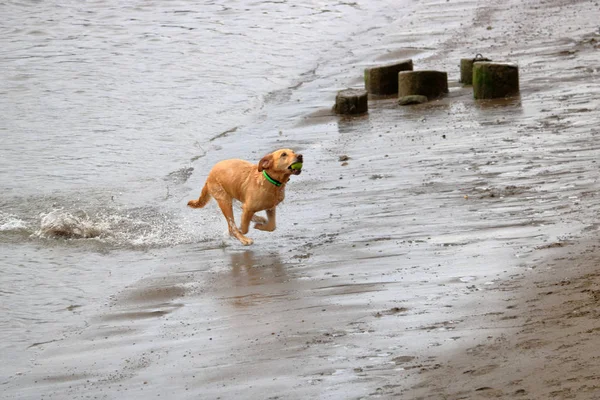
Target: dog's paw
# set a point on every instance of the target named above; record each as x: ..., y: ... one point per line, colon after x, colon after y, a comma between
x: 264, y: 227
x: 258, y: 219
x: 246, y: 241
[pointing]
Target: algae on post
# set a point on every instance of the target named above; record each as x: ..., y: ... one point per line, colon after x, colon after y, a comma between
x: 492, y: 80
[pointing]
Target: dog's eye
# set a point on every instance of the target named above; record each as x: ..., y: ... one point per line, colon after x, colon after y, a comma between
x: 283, y: 154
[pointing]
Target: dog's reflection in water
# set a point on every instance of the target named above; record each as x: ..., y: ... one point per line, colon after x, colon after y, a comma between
x: 249, y: 270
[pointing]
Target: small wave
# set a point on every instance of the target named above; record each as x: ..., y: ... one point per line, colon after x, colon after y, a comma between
x: 10, y: 222
x: 180, y: 176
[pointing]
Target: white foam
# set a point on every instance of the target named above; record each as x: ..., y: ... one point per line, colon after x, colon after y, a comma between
x: 9, y: 222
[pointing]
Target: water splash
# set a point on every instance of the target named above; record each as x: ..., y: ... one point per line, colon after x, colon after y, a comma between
x: 137, y: 228
x: 77, y: 225
x: 11, y: 223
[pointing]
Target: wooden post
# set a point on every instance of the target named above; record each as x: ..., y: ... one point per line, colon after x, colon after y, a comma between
x: 351, y: 101
x: 425, y: 83
x: 493, y: 80
x: 383, y: 80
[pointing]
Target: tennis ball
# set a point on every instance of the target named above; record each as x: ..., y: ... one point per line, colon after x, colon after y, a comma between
x: 297, y: 165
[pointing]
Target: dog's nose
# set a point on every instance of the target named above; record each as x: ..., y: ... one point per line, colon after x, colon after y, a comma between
x: 299, y: 157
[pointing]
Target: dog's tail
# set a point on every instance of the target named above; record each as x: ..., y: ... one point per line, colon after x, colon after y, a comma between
x: 202, y: 201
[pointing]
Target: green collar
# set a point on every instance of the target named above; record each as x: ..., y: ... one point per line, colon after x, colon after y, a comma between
x: 273, y: 181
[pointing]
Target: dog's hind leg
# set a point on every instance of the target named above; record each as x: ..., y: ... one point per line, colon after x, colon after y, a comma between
x: 203, y: 200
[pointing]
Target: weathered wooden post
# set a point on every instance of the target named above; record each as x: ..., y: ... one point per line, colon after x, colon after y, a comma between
x: 494, y: 80
x: 431, y: 84
x: 466, y: 68
x: 383, y: 80
x: 351, y: 101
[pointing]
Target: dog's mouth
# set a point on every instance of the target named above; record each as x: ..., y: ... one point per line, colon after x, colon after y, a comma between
x: 296, y: 166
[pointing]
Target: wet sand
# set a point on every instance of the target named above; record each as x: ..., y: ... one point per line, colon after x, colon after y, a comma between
x: 453, y: 257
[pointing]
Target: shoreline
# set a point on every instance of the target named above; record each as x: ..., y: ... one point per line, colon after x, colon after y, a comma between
x: 536, y: 340
x: 539, y: 341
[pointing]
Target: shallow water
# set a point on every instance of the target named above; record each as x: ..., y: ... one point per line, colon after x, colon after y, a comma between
x: 111, y: 287
x: 110, y: 95
x: 110, y: 108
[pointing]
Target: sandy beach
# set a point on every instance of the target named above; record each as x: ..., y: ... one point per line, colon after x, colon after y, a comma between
x: 438, y: 251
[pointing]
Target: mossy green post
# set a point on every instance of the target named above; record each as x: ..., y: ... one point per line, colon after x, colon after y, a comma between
x: 494, y: 80
x: 383, y: 80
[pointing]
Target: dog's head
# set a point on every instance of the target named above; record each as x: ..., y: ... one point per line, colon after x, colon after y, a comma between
x: 281, y: 161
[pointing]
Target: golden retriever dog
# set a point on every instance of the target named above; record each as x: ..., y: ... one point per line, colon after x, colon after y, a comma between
x: 258, y: 187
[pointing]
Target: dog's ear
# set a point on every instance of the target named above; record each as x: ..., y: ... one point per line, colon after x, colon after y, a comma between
x: 265, y: 162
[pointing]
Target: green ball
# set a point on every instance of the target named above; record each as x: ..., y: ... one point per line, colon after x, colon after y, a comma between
x: 297, y: 165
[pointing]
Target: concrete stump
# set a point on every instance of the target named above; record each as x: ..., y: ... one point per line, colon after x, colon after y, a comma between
x: 351, y: 101
x: 493, y: 80
x: 383, y: 80
x: 466, y: 68
x: 415, y: 99
x: 424, y: 83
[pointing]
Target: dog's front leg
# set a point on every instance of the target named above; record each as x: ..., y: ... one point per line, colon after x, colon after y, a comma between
x: 269, y: 226
x: 247, y: 215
